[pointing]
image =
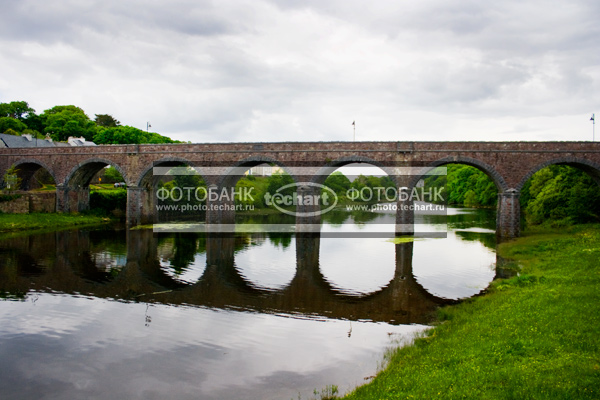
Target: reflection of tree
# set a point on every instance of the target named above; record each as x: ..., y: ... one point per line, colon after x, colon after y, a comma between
x: 336, y: 217
x: 487, y: 239
x: 281, y: 239
x: 200, y: 243
x: 116, y: 243
x: 184, y: 251
x: 472, y: 217
x: 480, y: 218
x: 364, y: 216
x: 264, y: 219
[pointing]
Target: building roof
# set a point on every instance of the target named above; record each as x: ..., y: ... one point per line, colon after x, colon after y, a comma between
x: 80, y: 141
x: 23, y: 141
x: 13, y: 141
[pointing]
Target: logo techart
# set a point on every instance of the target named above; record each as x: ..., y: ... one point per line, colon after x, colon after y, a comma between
x: 304, y: 196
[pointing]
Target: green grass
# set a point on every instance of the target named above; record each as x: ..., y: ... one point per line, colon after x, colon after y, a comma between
x: 534, y: 336
x: 40, y: 221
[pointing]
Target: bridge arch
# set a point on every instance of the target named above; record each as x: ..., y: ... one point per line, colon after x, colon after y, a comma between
x: 145, y: 178
x: 507, y: 210
x: 81, y: 175
x: 141, y: 198
x: 589, y: 167
x: 232, y: 174
x: 73, y: 194
x: 333, y: 165
x: 27, y: 167
x: 487, y: 169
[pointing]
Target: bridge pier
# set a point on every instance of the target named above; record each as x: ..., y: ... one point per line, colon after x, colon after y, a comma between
x: 62, y: 199
x: 508, y: 216
x: 221, y: 209
x: 70, y: 199
x: 140, y: 206
x: 405, y: 217
x: 308, y: 214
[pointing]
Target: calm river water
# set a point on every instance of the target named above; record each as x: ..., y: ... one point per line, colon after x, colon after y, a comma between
x: 115, y: 314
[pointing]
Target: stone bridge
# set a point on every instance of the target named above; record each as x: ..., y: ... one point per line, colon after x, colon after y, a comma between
x: 508, y: 164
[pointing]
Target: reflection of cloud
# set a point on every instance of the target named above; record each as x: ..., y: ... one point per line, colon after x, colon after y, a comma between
x: 184, y: 353
x: 453, y: 268
x: 190, y: 274
x: 266, y: 266
x: 370, y: 269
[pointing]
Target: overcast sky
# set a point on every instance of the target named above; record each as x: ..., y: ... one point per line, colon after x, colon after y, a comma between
x: 269, y: 70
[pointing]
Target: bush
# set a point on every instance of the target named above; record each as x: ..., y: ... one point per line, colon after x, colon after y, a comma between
x: 107, y: 201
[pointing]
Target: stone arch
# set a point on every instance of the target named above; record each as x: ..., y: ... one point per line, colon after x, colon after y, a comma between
x: 145, y: 177
x: 82, y: 173
x: 333, y: 165
x: 589, y: 167
x: 487, y: 169
x: 232, y: 174
x: 28, y: 167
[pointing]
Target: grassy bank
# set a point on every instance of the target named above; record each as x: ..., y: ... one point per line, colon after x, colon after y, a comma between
x: 41, y: 221
x: 534, y: 336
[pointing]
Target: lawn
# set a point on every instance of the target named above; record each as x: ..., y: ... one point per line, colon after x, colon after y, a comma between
x: 533, y: 336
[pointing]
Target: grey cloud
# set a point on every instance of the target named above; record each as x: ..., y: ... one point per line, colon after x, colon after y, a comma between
x: 204, y: 69
x: 65, y: 21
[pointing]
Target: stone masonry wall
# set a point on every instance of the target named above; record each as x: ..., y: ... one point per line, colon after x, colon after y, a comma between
x: 30, y: 202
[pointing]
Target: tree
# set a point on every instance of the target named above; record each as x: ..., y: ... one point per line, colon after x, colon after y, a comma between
x: 16, y: 109
x: 471, y: 199
x: 462, y: 180
x: 106, y: 120
x: 11, y: 178
x: 113, y: 175
x: 128, y: 135
x: 10, y: 131
x: 14, y: 124
x: 278, y: 180
x: 65, y: 121
x: 35, y: 123
x: 338, y: 182
x: 560, y: 192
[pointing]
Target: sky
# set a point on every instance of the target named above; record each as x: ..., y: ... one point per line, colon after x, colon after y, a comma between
x: 290, y: 70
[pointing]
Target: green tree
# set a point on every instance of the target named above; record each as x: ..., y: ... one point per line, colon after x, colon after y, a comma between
x: 65, y: 121
x: 10, y: 131
x: 338, y: 182
x: 279, y: 180
x: 561, y: 193
x: 16, y: 109
x: 14, y: 124
x: 11, y: 178
x: 128, y: 135
x: 276, y: 182
x: 106, y: 120
x: 461, y: 180
x: 471, y: 199
x: 35, y: 123
x: 113, y: 175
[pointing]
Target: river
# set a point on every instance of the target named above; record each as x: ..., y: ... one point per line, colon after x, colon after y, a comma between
x: 107, y: 313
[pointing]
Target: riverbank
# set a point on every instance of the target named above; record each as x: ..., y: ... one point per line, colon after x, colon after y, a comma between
x: 533, y: 336
x: 41, y: 221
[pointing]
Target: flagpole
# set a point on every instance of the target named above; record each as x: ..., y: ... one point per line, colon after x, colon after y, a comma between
x: 593, y: 119
x: 354, y: 126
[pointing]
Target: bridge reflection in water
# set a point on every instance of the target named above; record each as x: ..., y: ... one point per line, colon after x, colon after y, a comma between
x: 73, y: 262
